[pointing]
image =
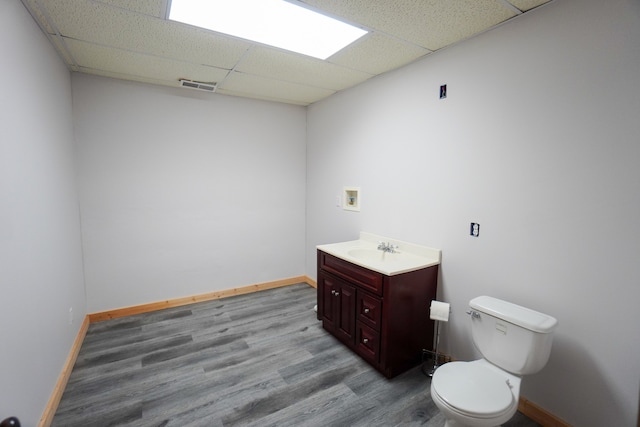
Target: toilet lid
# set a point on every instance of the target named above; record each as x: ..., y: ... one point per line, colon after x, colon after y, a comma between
x: 472, y: 388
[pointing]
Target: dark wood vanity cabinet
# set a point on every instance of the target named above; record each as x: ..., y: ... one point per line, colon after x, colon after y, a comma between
x: 384, y: 319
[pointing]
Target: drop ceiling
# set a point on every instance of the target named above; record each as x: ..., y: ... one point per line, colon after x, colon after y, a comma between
x: 133, y: 40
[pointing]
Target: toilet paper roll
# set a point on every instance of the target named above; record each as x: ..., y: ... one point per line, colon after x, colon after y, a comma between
x: 439, y: 311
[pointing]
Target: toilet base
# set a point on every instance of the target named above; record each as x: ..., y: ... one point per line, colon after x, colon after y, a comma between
x: 453, y: 423
x: 455, y: 418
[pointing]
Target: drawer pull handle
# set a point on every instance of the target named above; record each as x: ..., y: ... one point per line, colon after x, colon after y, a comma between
x: 365, y: 340
x: 366, y: 311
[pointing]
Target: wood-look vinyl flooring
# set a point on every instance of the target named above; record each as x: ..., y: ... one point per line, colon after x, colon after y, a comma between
x: 259, y: 359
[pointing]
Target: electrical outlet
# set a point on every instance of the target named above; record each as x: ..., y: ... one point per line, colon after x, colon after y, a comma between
x: 474, y: 229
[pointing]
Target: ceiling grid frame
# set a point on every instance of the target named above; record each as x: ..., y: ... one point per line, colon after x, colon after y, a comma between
x: 133, y: 40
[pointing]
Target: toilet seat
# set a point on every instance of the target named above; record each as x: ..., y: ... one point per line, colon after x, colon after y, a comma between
x: 473, y: 390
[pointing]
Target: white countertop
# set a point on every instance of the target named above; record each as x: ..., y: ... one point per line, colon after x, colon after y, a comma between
x: 365, y: 253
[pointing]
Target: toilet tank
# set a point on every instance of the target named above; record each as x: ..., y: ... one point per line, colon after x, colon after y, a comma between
x: 515, y: 338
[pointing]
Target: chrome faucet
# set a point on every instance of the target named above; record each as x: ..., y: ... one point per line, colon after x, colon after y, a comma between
x: 387, y: 247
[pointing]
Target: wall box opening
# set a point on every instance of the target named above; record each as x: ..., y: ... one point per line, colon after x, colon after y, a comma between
x: 351, y: 199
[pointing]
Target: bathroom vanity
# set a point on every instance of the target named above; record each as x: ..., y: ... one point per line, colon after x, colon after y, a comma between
x: 376, y: 301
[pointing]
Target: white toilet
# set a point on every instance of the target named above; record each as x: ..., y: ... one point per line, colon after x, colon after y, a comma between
x: 514, y: 341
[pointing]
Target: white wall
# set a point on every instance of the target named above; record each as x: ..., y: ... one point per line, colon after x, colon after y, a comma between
x: 40, y: 245
x: 184, y: 192
x: 181, y: 192
x: 538, y: 142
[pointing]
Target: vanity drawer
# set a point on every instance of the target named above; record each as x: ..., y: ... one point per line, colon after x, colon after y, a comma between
x: 367, y: 343
x: 367, y: 279
x: 369, y: 310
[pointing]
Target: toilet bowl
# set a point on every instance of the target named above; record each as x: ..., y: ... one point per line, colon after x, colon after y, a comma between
x: 475, y: 393
x: 514, y: 341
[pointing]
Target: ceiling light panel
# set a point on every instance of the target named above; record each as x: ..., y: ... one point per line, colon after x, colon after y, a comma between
x: 275, y: 23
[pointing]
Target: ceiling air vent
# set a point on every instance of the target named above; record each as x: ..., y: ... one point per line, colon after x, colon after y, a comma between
x: 191, y: 84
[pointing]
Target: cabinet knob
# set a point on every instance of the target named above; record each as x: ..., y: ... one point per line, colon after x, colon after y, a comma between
x: 365, y: 340
x: 337, y: 293
x: 333, y: 292
x: 366, y: 311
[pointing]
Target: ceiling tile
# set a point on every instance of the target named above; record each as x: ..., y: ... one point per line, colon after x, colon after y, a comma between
x: 127, y: 77
x: 377, y: 53
x: 36, y: 11
x: 60, y: 44
x: 240, y: 84
x: 432, y: 24
x: 281, y: 65
x: 132, y: 40
x: 123, y: 62
x: 155, y: 8
x: 525, y: 5
x: 102, y: 24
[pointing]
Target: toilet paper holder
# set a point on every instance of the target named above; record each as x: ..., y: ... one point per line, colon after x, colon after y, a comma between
x: 438, y: 312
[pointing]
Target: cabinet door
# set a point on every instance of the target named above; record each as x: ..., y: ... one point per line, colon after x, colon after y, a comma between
x: 337, y: 305
x: 327, y: 303
x: 345, y: 312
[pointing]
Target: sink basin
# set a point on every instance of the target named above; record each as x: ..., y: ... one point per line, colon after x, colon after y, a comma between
x: 364, y: 252
x: 373, y: 255
x: 386, y: 260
